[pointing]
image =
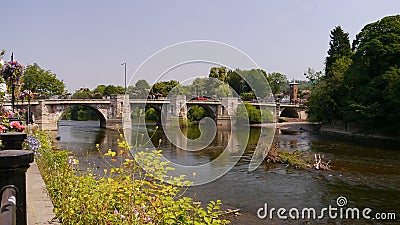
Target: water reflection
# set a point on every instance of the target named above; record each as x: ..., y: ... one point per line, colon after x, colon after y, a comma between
x: 368, y: 175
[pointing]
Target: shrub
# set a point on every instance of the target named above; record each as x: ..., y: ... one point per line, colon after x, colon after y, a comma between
x: 151, y: 114
x: 124, y: 194
x: 282, y: 120
x: 253, y: 115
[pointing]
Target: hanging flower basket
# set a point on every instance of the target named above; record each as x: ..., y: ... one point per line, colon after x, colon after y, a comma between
x: 11, y: 130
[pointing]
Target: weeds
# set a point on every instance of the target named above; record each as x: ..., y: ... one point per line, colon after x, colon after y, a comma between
x: 124, y: 194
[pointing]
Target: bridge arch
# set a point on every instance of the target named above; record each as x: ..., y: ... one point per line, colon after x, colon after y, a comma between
x: 289, y: 112
x: 210, y: 111
x: 101, y: 114
x: 157, y: 108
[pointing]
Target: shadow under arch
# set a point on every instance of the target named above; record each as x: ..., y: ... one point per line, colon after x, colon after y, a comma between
x: 209, y: 111
x: 99, y: 115
x: 289, y: 112
x: 158, y: 109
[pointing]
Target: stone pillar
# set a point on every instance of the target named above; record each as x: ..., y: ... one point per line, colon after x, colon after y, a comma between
x: 118, y: 110
x: 226, y: 111
x: 126, y: 113
x: 177, y: 109
x: 278, y: 111
x: 42, y: 116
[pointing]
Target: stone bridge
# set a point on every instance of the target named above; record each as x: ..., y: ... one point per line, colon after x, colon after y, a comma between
x: 115, y: 112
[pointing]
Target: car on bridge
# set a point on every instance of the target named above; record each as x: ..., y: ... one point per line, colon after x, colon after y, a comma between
x: 201, y: 98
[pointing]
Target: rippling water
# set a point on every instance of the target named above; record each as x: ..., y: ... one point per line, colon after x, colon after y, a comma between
x: 366, y: 173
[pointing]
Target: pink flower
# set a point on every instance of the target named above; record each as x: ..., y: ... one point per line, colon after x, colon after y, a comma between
x: 2, y: 128
x: 16, y: 125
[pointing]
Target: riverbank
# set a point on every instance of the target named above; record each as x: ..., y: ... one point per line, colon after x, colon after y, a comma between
x: 297, y: 127
x: 349, y: 131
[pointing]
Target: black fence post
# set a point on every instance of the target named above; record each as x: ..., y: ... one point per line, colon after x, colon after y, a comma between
x: 8, y: 205
x: 13, y: 166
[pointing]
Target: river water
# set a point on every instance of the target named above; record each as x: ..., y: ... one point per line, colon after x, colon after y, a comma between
x: 367, y: 174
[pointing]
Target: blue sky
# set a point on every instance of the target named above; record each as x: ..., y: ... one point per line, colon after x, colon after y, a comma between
x: 85, y: 42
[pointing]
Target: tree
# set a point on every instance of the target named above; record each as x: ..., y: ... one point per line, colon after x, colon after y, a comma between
x: 82, y: 93
x: 339, y: 46
x: 372, y: 77
x: 223, y: 91
x: 196, y: 113
x: 236, y: 82
x: 219, y: 73
x: 140, y: 90
x: 163, y: 87
x: 114, y: 90
x: 276, y: 82
x: 198, y: 86
x: 328, y: 98
x: 247, y: 113
x: 99, y: 89
x: 41, y: 81
x: 249, y: 82
x: 312, y: 75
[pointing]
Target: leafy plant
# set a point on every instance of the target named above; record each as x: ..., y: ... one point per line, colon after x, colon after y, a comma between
x: 124, y: 194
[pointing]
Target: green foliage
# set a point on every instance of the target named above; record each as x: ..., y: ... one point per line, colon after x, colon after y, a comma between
x: 140, y: 90
x: 247, y: 113
x: 277, y: 82
x: 223, y: 91
x: 247, y: 96
x: 254, y: 80
x: 373, y: 77
x: 282, y: 120
x: 125, y: 194
x: 98, y: 92
x: 362, y: 86
x: 41, y: 81
x: 151, y: 114
x: 196, y: 113
x: 328, y: 97
x: 82, y: 93
x: 113, y: 90
x: 312, y: 75
x: 339, y: 47
x: 138, y: 114
x: 80, y: 113
x: 294, y: 159
x: 219, y: 73
x: 163, y: 88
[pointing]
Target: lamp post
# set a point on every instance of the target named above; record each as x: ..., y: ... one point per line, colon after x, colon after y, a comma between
x: 124, y: 64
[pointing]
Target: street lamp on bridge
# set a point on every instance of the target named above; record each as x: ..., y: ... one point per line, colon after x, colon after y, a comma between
x: 124, y: 64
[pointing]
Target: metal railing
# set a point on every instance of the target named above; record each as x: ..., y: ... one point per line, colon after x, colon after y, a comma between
x: 13, y: 167
x: 8, y: 205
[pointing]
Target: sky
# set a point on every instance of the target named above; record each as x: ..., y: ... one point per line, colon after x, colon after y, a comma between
x: 85, y: 42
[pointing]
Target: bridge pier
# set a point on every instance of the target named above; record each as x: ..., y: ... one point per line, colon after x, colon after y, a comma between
x: 119, y: 116
x: 115, y: 112
x: 226, y: 111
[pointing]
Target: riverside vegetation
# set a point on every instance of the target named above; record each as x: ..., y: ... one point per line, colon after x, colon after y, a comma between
x: 124, y: 194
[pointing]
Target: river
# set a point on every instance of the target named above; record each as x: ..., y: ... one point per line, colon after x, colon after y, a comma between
x: 367, y: 174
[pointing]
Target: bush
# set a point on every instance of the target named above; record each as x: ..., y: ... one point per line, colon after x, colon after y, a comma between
x: 151, y: 114
x: 248, y: 112
x: 196, y: 113
x: 125, y: 194
x: 248, y: 96
x: 282, y: 120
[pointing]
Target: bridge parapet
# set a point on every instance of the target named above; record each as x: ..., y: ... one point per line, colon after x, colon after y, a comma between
x: 116, y: 111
